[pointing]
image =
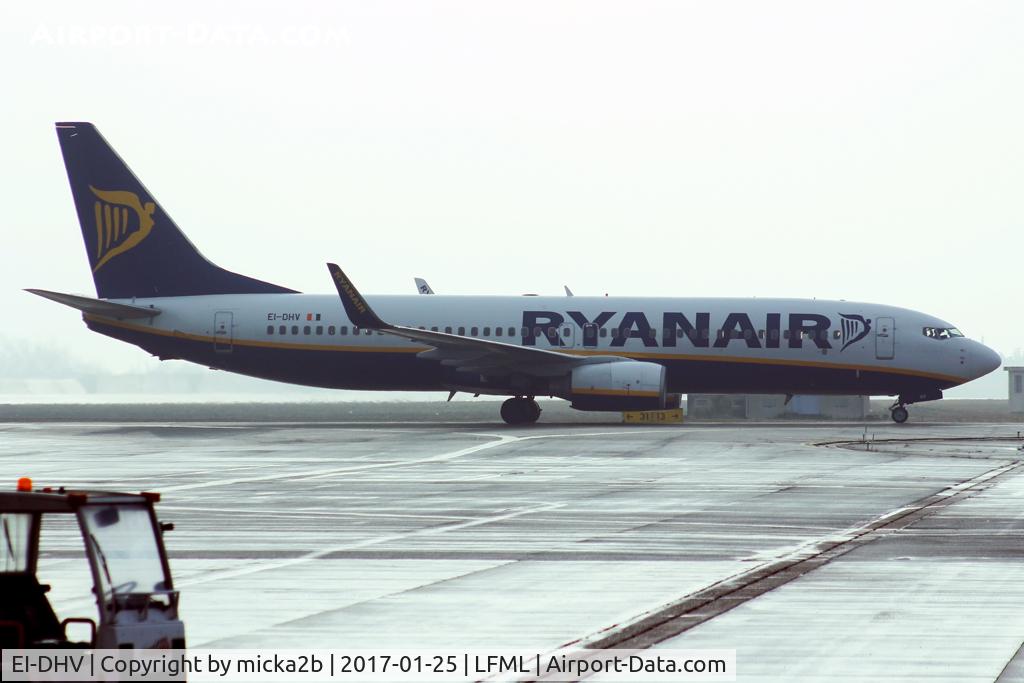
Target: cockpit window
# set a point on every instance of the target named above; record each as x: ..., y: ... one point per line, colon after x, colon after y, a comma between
x: 942, y: 332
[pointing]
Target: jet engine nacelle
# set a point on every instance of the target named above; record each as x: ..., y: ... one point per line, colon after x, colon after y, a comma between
x: 629, y: 385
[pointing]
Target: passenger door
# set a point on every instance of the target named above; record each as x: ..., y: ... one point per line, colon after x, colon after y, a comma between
x: 885, y: 338
x: 223, y: 326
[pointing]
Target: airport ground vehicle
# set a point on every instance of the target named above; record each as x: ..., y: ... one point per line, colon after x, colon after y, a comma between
x: 138, y: 606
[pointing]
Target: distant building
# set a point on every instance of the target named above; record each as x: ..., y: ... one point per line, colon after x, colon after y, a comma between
x: 773, y: 406
x: 1016, y: 389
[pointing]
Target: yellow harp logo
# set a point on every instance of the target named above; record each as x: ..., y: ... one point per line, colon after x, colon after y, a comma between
x: 117, y: 228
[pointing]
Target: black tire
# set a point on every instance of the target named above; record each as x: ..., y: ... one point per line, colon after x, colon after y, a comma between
x: 512, y: 411
x: 899, y: 415
x: 518, y: 410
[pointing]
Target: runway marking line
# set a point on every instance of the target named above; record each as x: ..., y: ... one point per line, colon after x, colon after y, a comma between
x: 500, y: 440
x: 356, y: 545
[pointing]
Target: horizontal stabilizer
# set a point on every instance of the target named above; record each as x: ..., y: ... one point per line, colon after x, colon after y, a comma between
x: 107, y: 309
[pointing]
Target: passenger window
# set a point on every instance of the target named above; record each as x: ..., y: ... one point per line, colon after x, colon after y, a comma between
x: 270, y: 329
x: 355, y: 330
x: 760, y: 334
x: 603, y: 332
x: 368, y: 332
x: 705, y: 333
x: 295, y: 329
x: 785, y: 334
x: 319, y: 329
x: 679, y: 332
x: 566, y: 332
x: 836, y: 334
x: 747, y: 334
x: 487, y: 332
x: 552, y: 332
x: 775, y: 335
x: 462, y: 331
x: 306, y: 329
x: 433, y: 329
x: 474, y: 331
x: 330, y: 330
x: 511, y: 331
x: 447, y: 330
x: 615, y: 332
x: 343, y: 330
x: 282, y: 330
x: 652, y: 333
x: 497, y: 331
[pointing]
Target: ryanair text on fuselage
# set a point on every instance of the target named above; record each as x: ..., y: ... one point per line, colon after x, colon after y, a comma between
x: 736, y: 327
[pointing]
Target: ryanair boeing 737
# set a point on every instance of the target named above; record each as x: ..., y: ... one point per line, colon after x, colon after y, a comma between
x: 155, y: 290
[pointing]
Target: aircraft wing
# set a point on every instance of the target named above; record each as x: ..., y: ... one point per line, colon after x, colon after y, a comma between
x: 468, y: 354
x: 107, y: 309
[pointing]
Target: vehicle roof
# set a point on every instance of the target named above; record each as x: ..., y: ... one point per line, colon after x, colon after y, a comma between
x: 67, y: 500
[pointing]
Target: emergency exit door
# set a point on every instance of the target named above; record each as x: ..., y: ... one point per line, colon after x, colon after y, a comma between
x: 885, y: 338
x: 223, y: 331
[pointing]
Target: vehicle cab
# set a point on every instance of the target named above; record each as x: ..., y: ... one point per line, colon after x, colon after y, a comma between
x: 131, y: 579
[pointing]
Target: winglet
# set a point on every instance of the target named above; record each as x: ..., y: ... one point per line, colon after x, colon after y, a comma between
x: 359, y: 312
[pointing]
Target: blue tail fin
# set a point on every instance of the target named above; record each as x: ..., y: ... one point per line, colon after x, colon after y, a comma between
x: 134, y: 247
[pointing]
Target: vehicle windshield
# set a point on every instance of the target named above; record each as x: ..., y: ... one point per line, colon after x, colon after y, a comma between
x: 942, y: 332
x: 15, y: 528
x: 124, y: 541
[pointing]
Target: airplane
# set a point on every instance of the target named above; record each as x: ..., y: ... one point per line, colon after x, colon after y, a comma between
x: 155, y: 290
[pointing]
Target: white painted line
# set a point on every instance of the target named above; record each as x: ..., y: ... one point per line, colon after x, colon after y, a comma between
x: 317, y: 554
x: 500, y: 440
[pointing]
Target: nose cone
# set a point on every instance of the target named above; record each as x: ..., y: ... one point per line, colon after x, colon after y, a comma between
x: 982, y: 360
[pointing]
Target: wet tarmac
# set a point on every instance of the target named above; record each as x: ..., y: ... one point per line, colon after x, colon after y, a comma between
x: 817, y: 551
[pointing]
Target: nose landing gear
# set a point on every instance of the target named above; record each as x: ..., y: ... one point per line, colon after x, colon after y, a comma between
x: 898, y: 410
x: 520, y: 410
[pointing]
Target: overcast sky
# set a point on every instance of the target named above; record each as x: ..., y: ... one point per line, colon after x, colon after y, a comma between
x: 866, y: 151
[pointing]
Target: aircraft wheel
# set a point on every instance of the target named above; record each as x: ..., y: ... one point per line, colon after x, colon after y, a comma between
x: 512, y: 411
x: 899, y: 414
x: 519, y: 410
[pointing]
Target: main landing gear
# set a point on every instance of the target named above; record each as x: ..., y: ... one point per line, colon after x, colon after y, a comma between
x: 898, y: 413
x: 520, y: 410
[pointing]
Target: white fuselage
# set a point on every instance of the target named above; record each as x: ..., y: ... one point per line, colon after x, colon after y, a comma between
x: 764, y: 345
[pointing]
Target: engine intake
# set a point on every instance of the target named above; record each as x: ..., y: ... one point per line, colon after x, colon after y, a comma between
x: 629, y: 385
